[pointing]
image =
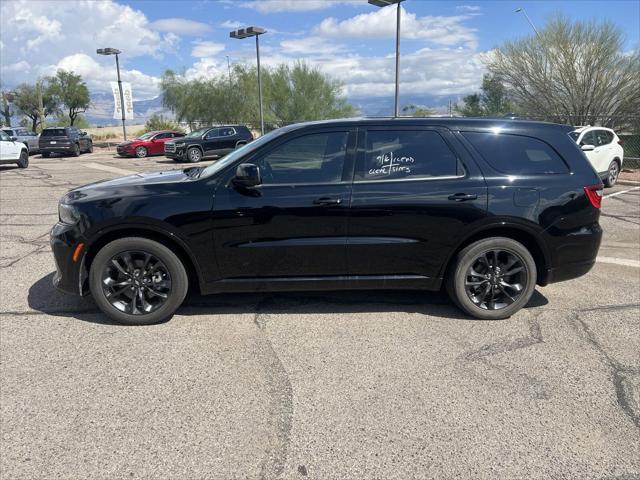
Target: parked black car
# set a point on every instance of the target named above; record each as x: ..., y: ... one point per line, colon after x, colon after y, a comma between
x: 67, y: 140
x: 486, y: 208
x: 207, y: 142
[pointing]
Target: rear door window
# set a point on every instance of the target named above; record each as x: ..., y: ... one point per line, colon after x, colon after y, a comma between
x: 603, y: 137
x: 517, y: 154
x: 227, y: 132
x: 406, y: 154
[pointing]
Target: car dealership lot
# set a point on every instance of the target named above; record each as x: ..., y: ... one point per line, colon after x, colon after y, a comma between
x: 327, y: 385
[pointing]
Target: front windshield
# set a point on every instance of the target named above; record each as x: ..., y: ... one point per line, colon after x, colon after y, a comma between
x: 197, y: 133
x: 243, y: 150
x: 146, y: 136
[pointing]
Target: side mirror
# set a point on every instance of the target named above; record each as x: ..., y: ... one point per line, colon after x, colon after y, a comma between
x: 14, y: 138
x: 247, y: 175
x: 587, y: 148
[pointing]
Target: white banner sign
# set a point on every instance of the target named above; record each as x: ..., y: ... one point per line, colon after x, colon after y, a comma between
x: 128, y: 100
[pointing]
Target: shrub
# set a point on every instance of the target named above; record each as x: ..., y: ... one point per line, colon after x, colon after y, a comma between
x: 159, y: 122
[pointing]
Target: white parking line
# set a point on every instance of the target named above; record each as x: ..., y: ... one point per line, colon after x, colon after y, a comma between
x: 618, y: 261
x: 621, y: 192
x: 107, y: 168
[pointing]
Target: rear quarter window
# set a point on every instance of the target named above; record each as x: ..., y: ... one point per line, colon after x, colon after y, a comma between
x: 517, y: 154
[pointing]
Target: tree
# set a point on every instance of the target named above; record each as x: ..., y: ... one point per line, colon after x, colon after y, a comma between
x: 7, y: 111
x: 290, y: 94
x: 159, y: 122
x: 416, y: 111
x: 575, y: 72
x: 26, y: 101
x: 72, y: 93
x: 492, y: 100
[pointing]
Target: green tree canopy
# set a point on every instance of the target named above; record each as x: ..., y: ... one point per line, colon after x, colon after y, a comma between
x: 26, y: 101
x: 290, y: 94
x: 72, y: 92
x: 492, y: 100
x: 416, y: 111
x: 572, y: 71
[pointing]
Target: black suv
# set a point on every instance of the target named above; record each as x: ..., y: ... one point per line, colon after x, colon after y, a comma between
x: 67, y: 140
x: 208, y: 142
x: 485, y: 208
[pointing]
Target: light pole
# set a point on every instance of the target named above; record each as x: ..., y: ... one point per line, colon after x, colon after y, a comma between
x: 385, y: 3
x: 116, y: 52
x: 542, y: 43
x: 229, y: 70
x: 518, y: 10
x: 253, y: 32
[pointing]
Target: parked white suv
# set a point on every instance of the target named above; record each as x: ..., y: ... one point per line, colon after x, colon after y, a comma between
x: 603, y: 149
x: 12, y: 151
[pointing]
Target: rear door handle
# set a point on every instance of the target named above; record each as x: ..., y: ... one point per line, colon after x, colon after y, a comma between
x: 461, y: 197
x: 327, y: 201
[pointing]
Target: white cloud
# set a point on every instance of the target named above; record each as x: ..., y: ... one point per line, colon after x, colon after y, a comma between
x: 381, y: 23
x: 203, y: 49
x: 97, y: 75
x: 272, y: 6
x: 180, y: 26
x: 309, y: 45
x: 468, y: 8
x: 230, y: 24
x: 46, y: 34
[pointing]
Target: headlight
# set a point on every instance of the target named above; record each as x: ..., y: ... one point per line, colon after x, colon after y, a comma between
x: 68, y: 214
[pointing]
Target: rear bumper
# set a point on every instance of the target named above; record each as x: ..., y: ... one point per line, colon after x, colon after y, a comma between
x: 575, y: 255
x: 57, y: 149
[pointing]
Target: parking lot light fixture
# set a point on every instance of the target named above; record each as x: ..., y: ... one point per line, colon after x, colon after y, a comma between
x: 253, y: 32
x: 116, y: 52
x: 386, y: 3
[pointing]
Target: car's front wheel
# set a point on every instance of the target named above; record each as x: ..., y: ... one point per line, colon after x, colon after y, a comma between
x: 492, y: 278
x: 23, y: 162
x: 612, y: 174
x: 141, y: 152
x: 194, y: 155
x: 137, y: 281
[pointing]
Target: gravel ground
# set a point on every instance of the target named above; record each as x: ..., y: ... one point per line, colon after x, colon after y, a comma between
x: 327, y: 385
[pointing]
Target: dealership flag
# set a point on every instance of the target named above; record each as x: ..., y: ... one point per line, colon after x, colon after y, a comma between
x: 128, y: 100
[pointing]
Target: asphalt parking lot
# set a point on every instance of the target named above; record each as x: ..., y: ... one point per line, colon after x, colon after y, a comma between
x: 329, y: 385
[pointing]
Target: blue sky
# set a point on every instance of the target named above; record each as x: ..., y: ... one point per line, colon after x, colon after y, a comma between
x: 443, y: 45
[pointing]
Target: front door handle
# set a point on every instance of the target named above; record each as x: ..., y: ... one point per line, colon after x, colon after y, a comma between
x: 461, y: 197
x: 327, y: 201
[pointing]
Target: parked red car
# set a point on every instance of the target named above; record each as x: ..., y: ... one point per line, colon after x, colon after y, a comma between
x: 151, y: 143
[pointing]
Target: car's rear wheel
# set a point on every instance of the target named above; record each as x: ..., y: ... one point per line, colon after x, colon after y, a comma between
x: 76, y: 150
x: 141, y: 152
x: 137, y: 281
x: 23, y: 162
x: 612, y: 174
x: 194, y: 155
x: 492, y: 278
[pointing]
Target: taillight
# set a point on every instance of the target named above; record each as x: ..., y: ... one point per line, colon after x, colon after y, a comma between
x: 594, y: 194
x: 620, y: 141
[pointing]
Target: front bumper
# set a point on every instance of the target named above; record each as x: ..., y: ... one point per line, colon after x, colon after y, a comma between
x: 126, y: 151
x: 179, y: 153
x: 70, y: 276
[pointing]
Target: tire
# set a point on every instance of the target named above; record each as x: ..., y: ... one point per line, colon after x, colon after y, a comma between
x: 612, y: 174
x: 46, y: 154
x: 194, y: 155
x: 141, y: 152
x: 23, y: 162
x: 90, y: 148
x: 503, y: 300
x: 167, y: 269
x: 76, y: 150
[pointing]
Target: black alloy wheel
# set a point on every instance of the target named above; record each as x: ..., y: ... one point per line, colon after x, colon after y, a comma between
x: 136, y: 282
x: 496, y: 279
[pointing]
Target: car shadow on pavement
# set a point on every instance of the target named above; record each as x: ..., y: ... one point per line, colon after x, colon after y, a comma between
x: 8, y: 167
x: 43, y: 297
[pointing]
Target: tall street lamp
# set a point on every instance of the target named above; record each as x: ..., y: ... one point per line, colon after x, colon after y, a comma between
x: 386, y: 3
x: 542, y: 43
x: 116, y: 52
x: 253, y: 32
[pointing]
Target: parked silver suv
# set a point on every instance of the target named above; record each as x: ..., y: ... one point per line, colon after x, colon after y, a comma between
x: 21, y: 134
